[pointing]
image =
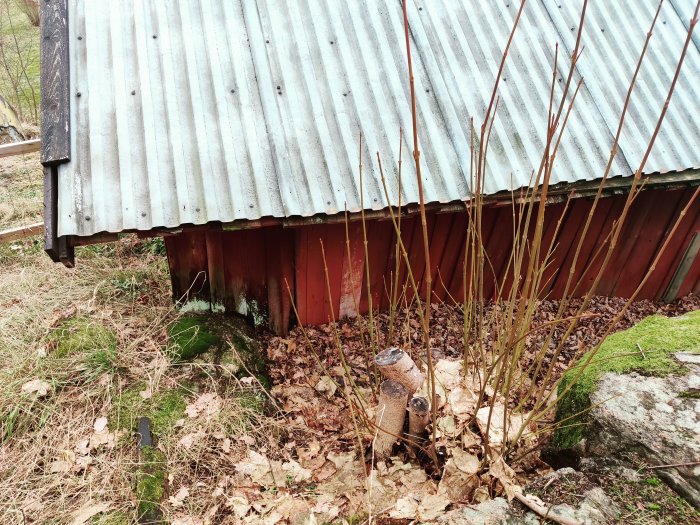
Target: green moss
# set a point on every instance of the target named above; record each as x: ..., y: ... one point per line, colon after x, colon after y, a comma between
x: 82, y: 336
x: 163, y: 408
x: 151, y: 485
x: 191, y: 337
x: 690, y: 394
x: 659, y: 337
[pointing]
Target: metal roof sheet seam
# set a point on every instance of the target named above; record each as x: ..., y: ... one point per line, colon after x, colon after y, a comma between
x: 187, y: 112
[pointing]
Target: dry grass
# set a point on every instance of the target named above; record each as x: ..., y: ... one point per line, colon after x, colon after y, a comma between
x: 21, y: 187
x: 97, y: 335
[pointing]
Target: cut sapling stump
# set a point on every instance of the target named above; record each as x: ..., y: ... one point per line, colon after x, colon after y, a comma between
x: 391, y: 415
x: 397, y: 365
x: 418, y: 419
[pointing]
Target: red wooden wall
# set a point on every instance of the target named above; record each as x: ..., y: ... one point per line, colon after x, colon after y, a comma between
x: 248, y: 270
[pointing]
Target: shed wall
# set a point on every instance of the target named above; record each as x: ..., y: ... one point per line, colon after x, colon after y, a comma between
x: 256, y: 272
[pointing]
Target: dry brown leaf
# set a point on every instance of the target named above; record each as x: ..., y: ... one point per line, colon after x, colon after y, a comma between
x: 495, y: 429
x: 208, y: 404
x: 100, y: 424
x: 326, y: 385
x: 406, y: 508
x: 432, y: 506
x: 180, y: 496
x: 87, y: 511
x: 36, y: 386
x: 462, y: 402
x: 188, y: 440
x: 506, y: 476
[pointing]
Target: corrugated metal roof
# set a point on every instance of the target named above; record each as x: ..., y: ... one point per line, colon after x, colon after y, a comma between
x: 186, y: 112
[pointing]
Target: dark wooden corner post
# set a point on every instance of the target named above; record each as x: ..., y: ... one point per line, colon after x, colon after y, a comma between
x: 55, y: 120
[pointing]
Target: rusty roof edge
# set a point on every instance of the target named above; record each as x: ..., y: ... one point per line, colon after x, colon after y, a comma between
x: 557, y: 193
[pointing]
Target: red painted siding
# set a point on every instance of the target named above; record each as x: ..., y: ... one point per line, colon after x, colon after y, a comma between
x: 248, y: 270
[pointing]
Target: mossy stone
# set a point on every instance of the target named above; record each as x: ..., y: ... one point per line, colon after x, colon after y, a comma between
x: 151, y: 485
x: 659, y: 337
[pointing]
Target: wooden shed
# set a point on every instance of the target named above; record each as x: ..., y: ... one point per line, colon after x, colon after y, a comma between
x: 232, y: 129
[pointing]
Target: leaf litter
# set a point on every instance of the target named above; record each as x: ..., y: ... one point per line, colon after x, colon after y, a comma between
x: 300, y: 464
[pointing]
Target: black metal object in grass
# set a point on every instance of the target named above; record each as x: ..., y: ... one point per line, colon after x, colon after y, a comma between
x: 150, y: 477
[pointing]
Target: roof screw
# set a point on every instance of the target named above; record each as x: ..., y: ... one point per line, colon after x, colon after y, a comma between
x: 197, y: 210
x: 331, y: 42
x: 87, y: 218
x: 278, y: 87
x: 233, y: 91
x: 427, y: 91
x: 572, y: 28
x: 267, y: 41
x: 80, y: 37
x: 603, y: 30
x: 133, y: 92
x: 251, y: 206
x: 143, y: 214
x: 155, y: 36
x: 345, y: 94
x: 78, y: 94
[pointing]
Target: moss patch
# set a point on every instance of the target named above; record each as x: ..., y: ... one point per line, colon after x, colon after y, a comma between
x: 659, y: 337
x: 225, y: 341
x: 163, y: 408
x: 191, y: 337
x: 81, y: 336
x: 151, y: 485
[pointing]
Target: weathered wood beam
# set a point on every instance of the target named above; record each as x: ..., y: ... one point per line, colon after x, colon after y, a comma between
x: 691, y: 253
x: 55, y: 83
x: 50, y: 209
x: 21, y: 232
x: 19, y: 148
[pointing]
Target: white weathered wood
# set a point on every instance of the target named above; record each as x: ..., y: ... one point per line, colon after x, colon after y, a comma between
x: 21, y: 232
x: 19, y: 148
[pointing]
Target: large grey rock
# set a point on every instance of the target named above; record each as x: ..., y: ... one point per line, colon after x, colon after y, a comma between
x: 657, y: 418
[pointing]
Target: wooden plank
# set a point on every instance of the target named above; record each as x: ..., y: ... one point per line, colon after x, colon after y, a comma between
x: 651, y: 236
x: 683, y: 270
x: 55, y: 83
x: 21, y: 232
x: 19, y: 148
x: 216, y: 267
x: 670, y: 259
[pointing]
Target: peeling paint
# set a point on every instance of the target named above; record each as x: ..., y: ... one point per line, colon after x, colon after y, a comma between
x: 196, y: 305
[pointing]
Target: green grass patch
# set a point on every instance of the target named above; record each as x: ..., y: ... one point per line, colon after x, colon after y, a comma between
x: 659, y: 337
x: 151, y: 485
x: 81, y: 336
x: 163, y: 408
